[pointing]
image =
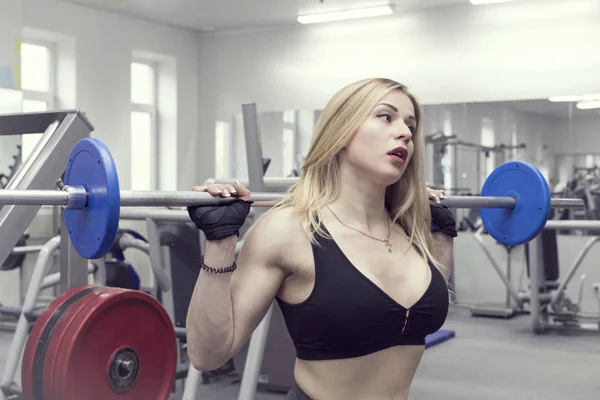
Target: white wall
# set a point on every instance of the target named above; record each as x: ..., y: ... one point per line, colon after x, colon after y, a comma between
x: 450, y: 55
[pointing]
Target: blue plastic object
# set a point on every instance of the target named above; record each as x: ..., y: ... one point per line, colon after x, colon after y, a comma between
x: 526, y: 220
x: 93, y: 229
x: 438, y: 337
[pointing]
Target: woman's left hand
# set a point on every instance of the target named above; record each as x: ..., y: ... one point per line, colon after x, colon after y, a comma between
x: 436, y: 195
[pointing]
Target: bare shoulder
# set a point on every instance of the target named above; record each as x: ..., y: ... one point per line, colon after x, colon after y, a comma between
x: 275, y: 236
x: 281, y: 224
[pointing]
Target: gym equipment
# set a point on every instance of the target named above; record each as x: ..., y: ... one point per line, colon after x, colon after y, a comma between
x: 553, y: 309
x: 515, y: 200
x: 106, y: 341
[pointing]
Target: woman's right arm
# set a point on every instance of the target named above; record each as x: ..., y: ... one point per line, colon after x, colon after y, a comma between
x: 226, y: 308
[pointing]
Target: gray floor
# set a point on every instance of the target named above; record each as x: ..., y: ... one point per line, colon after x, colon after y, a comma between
x: 487, y: 360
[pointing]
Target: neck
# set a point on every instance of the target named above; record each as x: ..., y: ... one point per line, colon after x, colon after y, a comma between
x: 361, y: 204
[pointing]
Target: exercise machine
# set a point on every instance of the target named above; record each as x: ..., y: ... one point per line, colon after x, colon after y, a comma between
x: 550, y: 307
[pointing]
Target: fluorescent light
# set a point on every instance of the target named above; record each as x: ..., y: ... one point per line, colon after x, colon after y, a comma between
x: 482, y: 2
x: 588, y: 105
x: 346, y: 14
x: 590, y: 97
x: 558, y: 99
x: 585, y: 97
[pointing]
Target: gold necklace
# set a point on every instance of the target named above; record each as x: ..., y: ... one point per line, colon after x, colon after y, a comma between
x: 385, y: 241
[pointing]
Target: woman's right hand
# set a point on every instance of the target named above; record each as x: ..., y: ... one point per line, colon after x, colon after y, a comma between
x: 220, y: 222
x: 225, y: 190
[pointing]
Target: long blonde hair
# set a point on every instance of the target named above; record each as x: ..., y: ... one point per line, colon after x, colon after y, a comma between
x: 318, y: 185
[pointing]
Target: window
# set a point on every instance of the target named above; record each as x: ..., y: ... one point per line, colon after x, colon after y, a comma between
x: 223, y: 150
x: 144, y: 153
x: 38, y: 85
x: 488, y: 139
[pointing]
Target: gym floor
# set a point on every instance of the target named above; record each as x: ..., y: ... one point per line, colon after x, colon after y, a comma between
x: 488, y: 359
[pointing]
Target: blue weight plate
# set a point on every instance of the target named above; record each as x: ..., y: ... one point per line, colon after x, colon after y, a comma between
x: 524, y: 182
x: 93, y: 229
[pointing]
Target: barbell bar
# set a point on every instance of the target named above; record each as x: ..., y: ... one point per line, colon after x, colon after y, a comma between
x: 77, y: 199
x: 515, y: 200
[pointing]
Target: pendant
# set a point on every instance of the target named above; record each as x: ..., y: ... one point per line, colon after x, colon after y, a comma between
x: 388, y: 245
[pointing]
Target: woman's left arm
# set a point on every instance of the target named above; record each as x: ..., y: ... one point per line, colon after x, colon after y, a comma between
x: 443, y: 228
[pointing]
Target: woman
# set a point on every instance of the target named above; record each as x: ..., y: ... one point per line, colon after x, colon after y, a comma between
x: 348, y: 254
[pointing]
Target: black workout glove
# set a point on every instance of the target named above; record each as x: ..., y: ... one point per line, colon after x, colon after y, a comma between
x: 222, y: 221
x: 442, y: 220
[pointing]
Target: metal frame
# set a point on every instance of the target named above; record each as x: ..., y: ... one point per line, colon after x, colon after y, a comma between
x: 62, y: 130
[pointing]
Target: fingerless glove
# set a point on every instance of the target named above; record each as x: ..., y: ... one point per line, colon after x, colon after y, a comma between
x: 222, y: 221
x: 442, y: 220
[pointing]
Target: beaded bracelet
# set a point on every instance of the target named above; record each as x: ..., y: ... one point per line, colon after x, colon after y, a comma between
x: 224, y: 270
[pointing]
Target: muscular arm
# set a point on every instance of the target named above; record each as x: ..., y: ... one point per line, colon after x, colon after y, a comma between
x: 443, y: 226
x: 226, y: 308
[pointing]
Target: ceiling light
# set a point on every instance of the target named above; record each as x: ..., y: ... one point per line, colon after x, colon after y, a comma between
x: 346, y: 14
x: 588, y: 105
x: 558, y: 99
x: 590, y: 97
x: 482, y: 2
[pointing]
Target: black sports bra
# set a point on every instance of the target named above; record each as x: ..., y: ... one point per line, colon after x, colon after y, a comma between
x: 347, y: 315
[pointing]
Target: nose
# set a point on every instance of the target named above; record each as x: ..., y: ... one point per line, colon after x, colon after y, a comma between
x: 404, y: 133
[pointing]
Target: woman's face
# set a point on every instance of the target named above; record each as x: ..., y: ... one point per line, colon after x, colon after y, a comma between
x: 382, y: 146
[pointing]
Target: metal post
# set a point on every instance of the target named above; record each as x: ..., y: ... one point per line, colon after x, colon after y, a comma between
x: 258, y: 340
x: 73, y: 267
x: 254, y: 155
x: 536, y: 257
x: 508, y: 273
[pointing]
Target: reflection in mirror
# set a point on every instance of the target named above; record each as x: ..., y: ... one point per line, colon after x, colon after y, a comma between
x: 466, y: 142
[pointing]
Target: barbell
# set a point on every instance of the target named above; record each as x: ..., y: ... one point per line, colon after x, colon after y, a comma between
x: 515, y: 200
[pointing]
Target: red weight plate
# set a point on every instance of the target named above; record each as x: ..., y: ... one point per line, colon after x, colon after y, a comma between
x: 122, y: 344
x: 40, y: 346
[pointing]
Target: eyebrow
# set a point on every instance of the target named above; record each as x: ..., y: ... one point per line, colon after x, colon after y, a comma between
x: 388, y: 105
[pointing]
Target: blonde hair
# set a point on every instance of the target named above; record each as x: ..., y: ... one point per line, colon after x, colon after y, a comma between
x: 407, y: 200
